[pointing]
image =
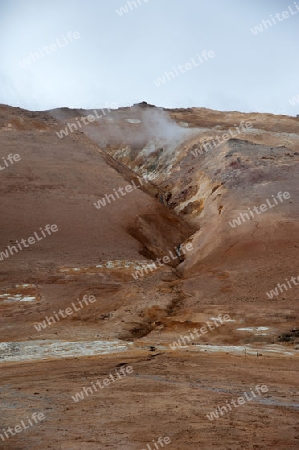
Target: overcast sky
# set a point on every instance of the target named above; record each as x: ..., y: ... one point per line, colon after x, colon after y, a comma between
x: 117, y: 58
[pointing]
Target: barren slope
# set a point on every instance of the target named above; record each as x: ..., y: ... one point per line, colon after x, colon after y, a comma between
x: 187, y: 196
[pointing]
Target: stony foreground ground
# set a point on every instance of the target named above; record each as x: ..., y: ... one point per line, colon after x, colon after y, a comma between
x: 165, y: 395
